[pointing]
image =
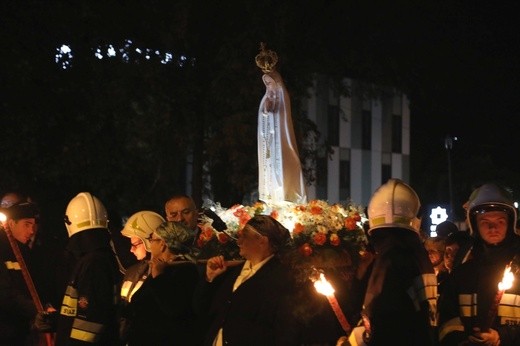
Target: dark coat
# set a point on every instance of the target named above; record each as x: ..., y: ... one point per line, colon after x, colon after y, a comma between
x: 17, y: 309
x: 401, y: 294
x: 162, y: 309
x: 91, y: 298
x: 256, y: 313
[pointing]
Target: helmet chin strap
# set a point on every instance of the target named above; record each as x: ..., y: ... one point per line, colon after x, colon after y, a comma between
x: 122, y: 269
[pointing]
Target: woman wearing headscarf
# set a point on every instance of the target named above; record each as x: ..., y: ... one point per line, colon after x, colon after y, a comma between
x: 246, y: 305
x: 162, y: 309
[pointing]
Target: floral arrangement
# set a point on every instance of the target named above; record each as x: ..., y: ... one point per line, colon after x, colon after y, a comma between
x: 320, y: 225
x: 316, y: 228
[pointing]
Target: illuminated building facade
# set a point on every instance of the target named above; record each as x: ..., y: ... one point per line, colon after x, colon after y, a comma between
x: 369, y: 134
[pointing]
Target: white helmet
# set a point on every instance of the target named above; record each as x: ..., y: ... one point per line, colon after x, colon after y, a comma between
x: 85, y: 212
x: 490, y: 197
x: 394, y: 204
x: 142, y: 224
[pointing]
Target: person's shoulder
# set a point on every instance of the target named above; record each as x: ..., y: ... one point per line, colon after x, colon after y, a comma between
x: 466, y: 267
x: 275, y: 263
x: 102, y: 258
x: 136, y: 267
x: 281, y: 272
x: 4, y: 244
x: 183, y: 267
x: 516, y: 239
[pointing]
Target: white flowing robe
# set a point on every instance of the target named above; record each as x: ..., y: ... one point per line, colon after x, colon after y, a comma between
x: 280, y: 172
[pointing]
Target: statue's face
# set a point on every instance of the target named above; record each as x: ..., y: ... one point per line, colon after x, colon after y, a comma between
x: 269, y: 82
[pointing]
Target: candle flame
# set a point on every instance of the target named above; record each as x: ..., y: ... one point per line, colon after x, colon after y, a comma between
x: 323, y: 286
x: 507, y: 280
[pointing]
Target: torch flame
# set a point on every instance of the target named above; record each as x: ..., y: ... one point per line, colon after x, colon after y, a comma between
x: 323, y: 286
x: 507, y: 280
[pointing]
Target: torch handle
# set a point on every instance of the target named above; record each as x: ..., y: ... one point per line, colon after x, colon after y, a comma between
x: 229, y: 263
x: 46, y: 338
x: 493, y: 311
x: 25, y: 272
x: 339, y: 314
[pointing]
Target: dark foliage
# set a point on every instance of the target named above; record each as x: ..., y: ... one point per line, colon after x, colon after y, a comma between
x: 126, y: 131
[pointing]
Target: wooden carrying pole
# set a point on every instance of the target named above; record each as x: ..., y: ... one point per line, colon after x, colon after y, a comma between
x: 28, y: 280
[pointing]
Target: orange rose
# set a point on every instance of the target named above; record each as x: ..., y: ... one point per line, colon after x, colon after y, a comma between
x: 306, y: 249
x: 222, y: 237
x: 207, y: 233
x: 300, y: 207
x: 274, y: 214
x: 243, y: 220
x: 334, y: 239
x: 298, y: 228
x: 239, y: 212
x: 319, y: 238
x: 242, y: 216
x: 316, y: 210
x: 350, y: 223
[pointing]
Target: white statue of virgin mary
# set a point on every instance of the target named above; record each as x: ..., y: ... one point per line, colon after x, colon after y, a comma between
x: 280, y: 171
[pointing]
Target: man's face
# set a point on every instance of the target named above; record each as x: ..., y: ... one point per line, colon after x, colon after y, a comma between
x: 492, y: 226
x: 23, y: 230
x: 137, y: 248
x: 182, y: 210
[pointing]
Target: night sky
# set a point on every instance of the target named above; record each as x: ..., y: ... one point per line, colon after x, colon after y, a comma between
x: 474, y: 94
x: 460, y: 56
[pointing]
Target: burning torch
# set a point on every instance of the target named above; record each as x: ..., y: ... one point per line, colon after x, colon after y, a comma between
x: 505, y: 284
x: 324, y: 287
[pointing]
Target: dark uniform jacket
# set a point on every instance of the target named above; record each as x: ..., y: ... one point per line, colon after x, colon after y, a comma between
x: 88, y: 314
x: 17, y: 309
x: 401, y: 296
x: 134, y: 278
x: 469, y: 294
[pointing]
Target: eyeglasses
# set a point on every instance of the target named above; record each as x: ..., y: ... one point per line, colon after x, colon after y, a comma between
x: 151, y: 240
x: 183, y: 212
x: 136, y: 245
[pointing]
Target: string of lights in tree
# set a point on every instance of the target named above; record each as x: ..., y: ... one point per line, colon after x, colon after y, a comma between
x: 127, y: 52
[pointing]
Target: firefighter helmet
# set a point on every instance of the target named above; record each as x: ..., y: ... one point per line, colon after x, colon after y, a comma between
x: 490, y: 197
x: 85, y: 212
x: 394, y: 204
x: 142, y: 224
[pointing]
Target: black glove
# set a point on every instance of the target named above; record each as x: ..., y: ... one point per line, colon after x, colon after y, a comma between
x: 45, y: 322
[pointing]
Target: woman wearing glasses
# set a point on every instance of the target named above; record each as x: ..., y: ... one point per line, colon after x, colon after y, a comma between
x: 138, y: 228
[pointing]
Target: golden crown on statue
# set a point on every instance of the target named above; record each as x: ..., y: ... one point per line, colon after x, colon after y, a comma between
x: 266, y: 60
